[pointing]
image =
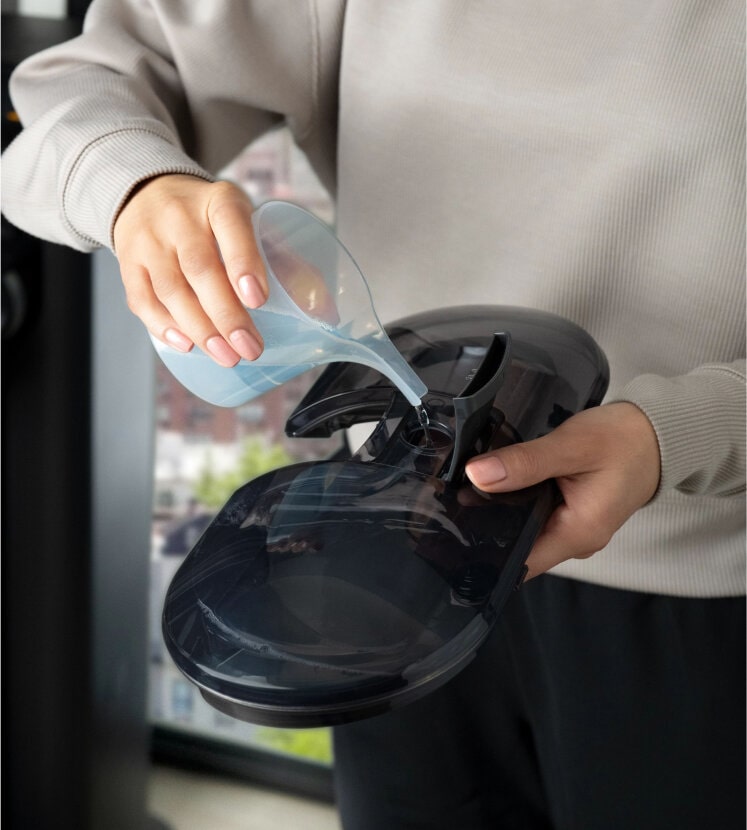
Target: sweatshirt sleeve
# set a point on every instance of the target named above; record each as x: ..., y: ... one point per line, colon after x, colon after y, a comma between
x: 699, y: 420
x: 150, y: 87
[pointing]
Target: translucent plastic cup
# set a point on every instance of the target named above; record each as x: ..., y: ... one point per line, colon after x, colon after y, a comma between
x: 319, y: 310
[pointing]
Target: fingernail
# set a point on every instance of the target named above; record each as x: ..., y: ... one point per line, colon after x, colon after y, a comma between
x: 178, y: 340
x: 486, y: 470
x: 251, y: 291
x: 221, y: 351
x: 245, y: 344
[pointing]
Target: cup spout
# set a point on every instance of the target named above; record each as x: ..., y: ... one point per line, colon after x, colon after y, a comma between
x: 380, y: 353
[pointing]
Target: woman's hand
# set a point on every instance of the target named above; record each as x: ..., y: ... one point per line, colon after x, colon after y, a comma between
x: 606, y: 463
x: 190, y: 265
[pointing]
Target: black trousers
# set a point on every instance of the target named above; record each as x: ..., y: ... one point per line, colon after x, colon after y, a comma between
x: 588, y: 708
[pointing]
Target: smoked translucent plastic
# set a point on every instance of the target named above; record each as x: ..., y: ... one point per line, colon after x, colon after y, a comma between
x: 333, y: 590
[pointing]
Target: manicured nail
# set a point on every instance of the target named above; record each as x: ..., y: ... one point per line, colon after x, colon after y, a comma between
x: 245, y: 344
x: 251, y: 291
x: 178, y: 340
x: 486, y: 470
x: 221, y: 351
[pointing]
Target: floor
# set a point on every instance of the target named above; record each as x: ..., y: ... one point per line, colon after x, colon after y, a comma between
x: 185, y: 800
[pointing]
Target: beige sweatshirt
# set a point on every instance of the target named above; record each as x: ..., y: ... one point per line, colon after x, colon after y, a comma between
x: 586, y: 158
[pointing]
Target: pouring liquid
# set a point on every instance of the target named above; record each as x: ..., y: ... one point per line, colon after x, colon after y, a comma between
x: 425, y: 423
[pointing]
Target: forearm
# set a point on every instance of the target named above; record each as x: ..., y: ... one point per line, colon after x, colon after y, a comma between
x: 149, y: 88
x: 70, y: 188
x: 699, y: 420
x: 101, y: 112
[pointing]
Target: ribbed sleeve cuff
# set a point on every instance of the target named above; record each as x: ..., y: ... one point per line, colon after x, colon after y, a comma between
x: 107, y: 170
x: 699, y: 419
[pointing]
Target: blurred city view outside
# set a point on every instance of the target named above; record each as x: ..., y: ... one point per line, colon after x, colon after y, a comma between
x: 203, y: 453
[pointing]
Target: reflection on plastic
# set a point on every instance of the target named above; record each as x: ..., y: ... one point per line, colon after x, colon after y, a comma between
x: 324, y: 581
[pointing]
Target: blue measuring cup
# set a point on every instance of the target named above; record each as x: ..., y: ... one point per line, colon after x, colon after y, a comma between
x: 319, y: 310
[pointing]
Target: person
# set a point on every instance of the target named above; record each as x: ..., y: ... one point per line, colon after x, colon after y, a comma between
x: 582, y: 158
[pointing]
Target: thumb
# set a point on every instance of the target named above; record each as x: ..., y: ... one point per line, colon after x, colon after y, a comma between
x: 521, y: 465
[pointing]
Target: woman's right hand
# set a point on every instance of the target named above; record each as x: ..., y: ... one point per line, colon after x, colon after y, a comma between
x: 190, y: 265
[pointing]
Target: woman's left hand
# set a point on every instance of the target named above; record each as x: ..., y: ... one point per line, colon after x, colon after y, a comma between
x: 606, y: 463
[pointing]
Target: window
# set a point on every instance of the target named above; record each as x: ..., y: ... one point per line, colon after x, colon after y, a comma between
x: 203, y: 453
